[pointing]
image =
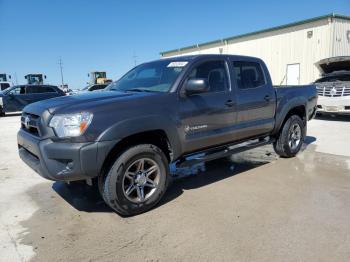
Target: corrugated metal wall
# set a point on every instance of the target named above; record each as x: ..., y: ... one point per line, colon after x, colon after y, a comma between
x: 341, y: 35
x: 288, y: 46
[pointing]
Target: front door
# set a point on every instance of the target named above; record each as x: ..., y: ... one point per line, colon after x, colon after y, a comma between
x: 16, y: 99
x: 208, y: 118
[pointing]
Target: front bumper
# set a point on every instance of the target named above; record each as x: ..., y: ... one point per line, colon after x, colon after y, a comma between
x: 333, y: 105
x: 61, y: 161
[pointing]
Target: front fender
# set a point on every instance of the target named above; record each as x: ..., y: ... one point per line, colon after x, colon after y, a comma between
x: 136, y: 125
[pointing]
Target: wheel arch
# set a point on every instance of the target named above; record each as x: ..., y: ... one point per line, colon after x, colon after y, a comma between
x: 294, y: 107
x: 157, y: 137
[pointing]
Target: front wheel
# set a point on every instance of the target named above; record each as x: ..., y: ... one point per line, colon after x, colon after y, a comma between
x: 137, y: 180
x: 291, y: 137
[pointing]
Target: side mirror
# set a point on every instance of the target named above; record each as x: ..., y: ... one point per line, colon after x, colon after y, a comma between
x: 196, y: 86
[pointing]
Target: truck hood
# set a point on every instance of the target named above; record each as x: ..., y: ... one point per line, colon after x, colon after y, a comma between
x: 82, y: 101
x: 332, y: 64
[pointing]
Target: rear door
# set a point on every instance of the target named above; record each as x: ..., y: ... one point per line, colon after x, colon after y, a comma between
x: 255, y: 98
x: 208, y: 118
x: 46, y: 92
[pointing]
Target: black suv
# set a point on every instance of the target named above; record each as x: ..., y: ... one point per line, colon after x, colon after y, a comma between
x: 15, y: 98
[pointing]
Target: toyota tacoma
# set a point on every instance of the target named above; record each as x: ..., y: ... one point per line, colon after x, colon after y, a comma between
x: 177, y: 111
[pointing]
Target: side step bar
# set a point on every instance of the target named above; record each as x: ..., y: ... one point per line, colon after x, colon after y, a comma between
x: 209, y: 155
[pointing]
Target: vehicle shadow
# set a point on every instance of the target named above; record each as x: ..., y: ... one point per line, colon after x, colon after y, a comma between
x: 329, y: 117
x: 87, y: 198
x: 81, y: 196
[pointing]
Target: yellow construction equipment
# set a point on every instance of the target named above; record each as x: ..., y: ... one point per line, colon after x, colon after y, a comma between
x: 99, y: 77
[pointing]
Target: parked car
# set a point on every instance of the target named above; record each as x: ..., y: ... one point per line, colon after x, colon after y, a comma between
x: 89, y: 88
x: 182, y: 110
x: 15, y: 98
x: 334, y: 86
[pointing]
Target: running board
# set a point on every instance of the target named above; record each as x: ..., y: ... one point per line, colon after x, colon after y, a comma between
x: 228, y: 151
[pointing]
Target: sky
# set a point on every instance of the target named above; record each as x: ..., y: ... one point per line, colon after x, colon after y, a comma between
x: 111, y: 36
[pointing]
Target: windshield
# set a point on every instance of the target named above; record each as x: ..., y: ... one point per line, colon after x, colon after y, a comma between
x: 151, y: 77
x: 336, y: 78
x: 7, y: 89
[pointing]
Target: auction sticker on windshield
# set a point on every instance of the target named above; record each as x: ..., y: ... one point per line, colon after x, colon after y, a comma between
x: 177, y: 64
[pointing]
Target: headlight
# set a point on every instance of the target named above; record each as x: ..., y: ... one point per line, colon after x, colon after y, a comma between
x: 70, y: 125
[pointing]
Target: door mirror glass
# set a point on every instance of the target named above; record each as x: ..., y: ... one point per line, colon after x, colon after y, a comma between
x: 196, y: 86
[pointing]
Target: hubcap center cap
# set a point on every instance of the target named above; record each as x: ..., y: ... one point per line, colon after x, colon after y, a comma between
x: 141, y: 179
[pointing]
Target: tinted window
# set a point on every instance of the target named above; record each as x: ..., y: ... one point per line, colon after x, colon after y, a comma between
x: 97, y: 87
x: 31, y: 89
x: 214, y: 72
x: 46, y: 89
x: 248, y: 74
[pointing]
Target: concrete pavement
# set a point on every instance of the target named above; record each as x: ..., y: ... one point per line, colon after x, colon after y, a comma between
x: 256, y: 207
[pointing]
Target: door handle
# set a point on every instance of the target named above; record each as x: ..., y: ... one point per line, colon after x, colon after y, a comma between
x: 229, y: 103
x: 267, y: 98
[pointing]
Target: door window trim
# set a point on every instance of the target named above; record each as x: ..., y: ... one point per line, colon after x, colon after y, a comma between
x: 189, y: 70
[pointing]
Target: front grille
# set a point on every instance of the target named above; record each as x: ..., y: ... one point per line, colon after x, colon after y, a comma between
x: 333, y: 89
x: 30, y: 123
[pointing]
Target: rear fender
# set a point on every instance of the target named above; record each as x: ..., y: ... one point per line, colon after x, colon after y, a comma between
x: 284, y: 106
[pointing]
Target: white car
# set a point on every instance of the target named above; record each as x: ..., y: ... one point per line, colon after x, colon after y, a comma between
x: 334, y: 87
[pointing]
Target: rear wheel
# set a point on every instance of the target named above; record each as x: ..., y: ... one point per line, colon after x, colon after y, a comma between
x: 291, y: 137
x: 137, y: 180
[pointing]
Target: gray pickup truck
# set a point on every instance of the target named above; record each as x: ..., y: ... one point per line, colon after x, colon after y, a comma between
x: 177, y: 111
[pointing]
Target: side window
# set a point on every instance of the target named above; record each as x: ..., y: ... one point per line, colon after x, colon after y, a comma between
x: 31, y: 89
x: 214, y: 72
x: 248, y: 74
x: 18, y: 91
x: 47, y: 89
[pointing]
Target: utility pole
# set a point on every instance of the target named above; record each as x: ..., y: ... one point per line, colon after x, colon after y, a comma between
x: 135, y: 57
x: 61, y: 68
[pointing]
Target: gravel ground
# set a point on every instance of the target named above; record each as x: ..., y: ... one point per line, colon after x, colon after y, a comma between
x: 253, y: 207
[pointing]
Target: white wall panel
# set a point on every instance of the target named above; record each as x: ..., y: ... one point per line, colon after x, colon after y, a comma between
x: 289, y: 45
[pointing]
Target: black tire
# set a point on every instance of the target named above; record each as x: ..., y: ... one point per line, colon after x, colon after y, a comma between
x: 283, y: 143
x: 2, y: 113
x: 114, y: 192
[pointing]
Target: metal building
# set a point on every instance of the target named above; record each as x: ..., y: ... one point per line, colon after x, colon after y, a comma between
x: 290, y: 51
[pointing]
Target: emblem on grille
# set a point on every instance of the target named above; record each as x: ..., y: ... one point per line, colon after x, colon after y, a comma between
x: 26, y: 122
x: 333, y: 91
